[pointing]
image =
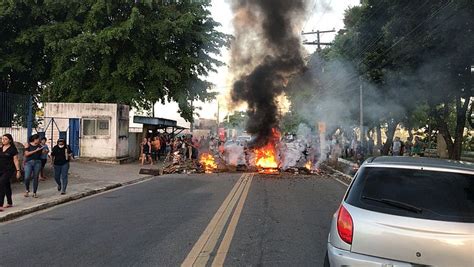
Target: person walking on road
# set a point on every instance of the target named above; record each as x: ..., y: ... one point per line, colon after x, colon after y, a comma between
x: 33, y: 151
x: 61, y: 155
x: 44, y: 158
x: 9, y: 165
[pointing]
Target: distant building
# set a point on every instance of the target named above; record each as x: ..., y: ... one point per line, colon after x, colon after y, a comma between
x: 205, y: 124
x: 204, y: 127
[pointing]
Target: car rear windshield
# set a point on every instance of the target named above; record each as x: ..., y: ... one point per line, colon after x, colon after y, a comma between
x: 424, y: 194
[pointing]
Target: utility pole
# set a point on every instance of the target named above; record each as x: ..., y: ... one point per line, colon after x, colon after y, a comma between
x: 318, y: 36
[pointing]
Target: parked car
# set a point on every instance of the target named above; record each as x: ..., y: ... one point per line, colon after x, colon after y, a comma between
x: 402, y: 211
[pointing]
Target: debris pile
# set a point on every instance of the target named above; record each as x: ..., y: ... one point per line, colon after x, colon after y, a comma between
x: 296, y: 155
x: 208, y: 163
x: 183, y: 166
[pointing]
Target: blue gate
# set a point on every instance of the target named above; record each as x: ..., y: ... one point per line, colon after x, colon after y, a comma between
x: 69, y: 134
x: 74, y: 128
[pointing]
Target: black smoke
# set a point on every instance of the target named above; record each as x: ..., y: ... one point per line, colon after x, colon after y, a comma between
x: 277, y: 56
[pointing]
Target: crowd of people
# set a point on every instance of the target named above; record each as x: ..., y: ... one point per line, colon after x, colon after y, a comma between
x: 353, y: 149
x: 408, y: 147
x: 35, y: 157
x: 163, y: 147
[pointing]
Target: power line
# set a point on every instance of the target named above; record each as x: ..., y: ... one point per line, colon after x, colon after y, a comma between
x: 312, y: 10
x: 400, y: 40
x: 324, y: 13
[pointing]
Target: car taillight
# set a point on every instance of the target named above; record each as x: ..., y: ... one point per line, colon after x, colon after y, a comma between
x: 345, y: 226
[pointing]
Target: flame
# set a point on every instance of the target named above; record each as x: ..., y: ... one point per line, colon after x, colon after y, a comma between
x: 266, y: 156
x: 308, y: 165
x: 208, y: 162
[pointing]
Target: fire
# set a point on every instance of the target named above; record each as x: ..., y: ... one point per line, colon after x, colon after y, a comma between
x: 308, y: 165
x: 208, y: 162
x: 266, y: 156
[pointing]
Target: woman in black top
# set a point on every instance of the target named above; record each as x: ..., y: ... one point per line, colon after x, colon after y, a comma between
x: 33, y: 152
x: 146, y: 151
x: 9, y: 164
x: 61, y: 155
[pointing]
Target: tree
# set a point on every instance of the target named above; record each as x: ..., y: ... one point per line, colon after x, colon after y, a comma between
x: 290, y: 121
x: 414, y: 54
x: 113, y: 51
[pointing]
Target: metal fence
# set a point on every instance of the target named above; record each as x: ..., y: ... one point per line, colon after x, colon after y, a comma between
x: 16, y: 115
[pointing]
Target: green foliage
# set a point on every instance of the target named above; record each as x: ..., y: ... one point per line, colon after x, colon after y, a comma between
x: 290, y: 122
x: 110, y: 51
x: 417, y: 54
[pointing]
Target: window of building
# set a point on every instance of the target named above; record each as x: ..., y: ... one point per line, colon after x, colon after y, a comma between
x: 102, y: 127
x: 96, y: 126
x: 88, y: 127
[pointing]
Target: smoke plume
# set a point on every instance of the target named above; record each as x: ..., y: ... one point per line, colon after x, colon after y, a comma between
x: 266, y: 52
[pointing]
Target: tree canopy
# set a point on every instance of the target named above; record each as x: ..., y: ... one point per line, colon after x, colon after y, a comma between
x: 109, y: 51
x: 414, y: 61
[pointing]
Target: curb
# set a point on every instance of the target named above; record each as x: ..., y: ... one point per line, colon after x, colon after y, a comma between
x: 345, y: 177
x: 341, y: 173
x: 76, y: 196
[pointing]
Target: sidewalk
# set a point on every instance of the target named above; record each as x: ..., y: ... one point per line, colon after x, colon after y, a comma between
x: 85, y: 179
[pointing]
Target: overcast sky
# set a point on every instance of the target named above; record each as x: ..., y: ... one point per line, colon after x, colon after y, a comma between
x: 323, y: 15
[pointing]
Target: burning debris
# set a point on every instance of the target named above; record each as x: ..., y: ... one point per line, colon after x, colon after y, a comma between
x: 295, y: 155
x: 208, y: 163
x: 266, y: 157
x: 261, y: 74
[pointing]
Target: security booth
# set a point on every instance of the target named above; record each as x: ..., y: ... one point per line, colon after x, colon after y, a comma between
x: 153, y: 126
x: 93, y: 130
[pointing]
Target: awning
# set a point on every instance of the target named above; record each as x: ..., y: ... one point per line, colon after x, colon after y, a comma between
x: 159, y: 124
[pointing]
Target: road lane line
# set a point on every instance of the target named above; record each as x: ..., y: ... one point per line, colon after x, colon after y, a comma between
x: 229, y: 234
x: 211, y: 243
x: 211, y: 227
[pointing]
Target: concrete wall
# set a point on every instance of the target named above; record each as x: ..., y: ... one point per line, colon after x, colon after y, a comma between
x: 134, y: 141
x: 122, y: 131
x: 95, y: 146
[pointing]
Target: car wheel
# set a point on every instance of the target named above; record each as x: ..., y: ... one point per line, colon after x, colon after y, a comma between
x: 326, y: 261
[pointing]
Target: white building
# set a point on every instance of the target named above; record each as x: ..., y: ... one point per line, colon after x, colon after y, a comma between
x: 98, y: 131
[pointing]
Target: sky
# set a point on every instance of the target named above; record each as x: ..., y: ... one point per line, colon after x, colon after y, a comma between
x: 323, y: 15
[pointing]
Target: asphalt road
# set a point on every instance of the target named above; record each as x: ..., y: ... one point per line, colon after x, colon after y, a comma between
x: 281, y: 221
